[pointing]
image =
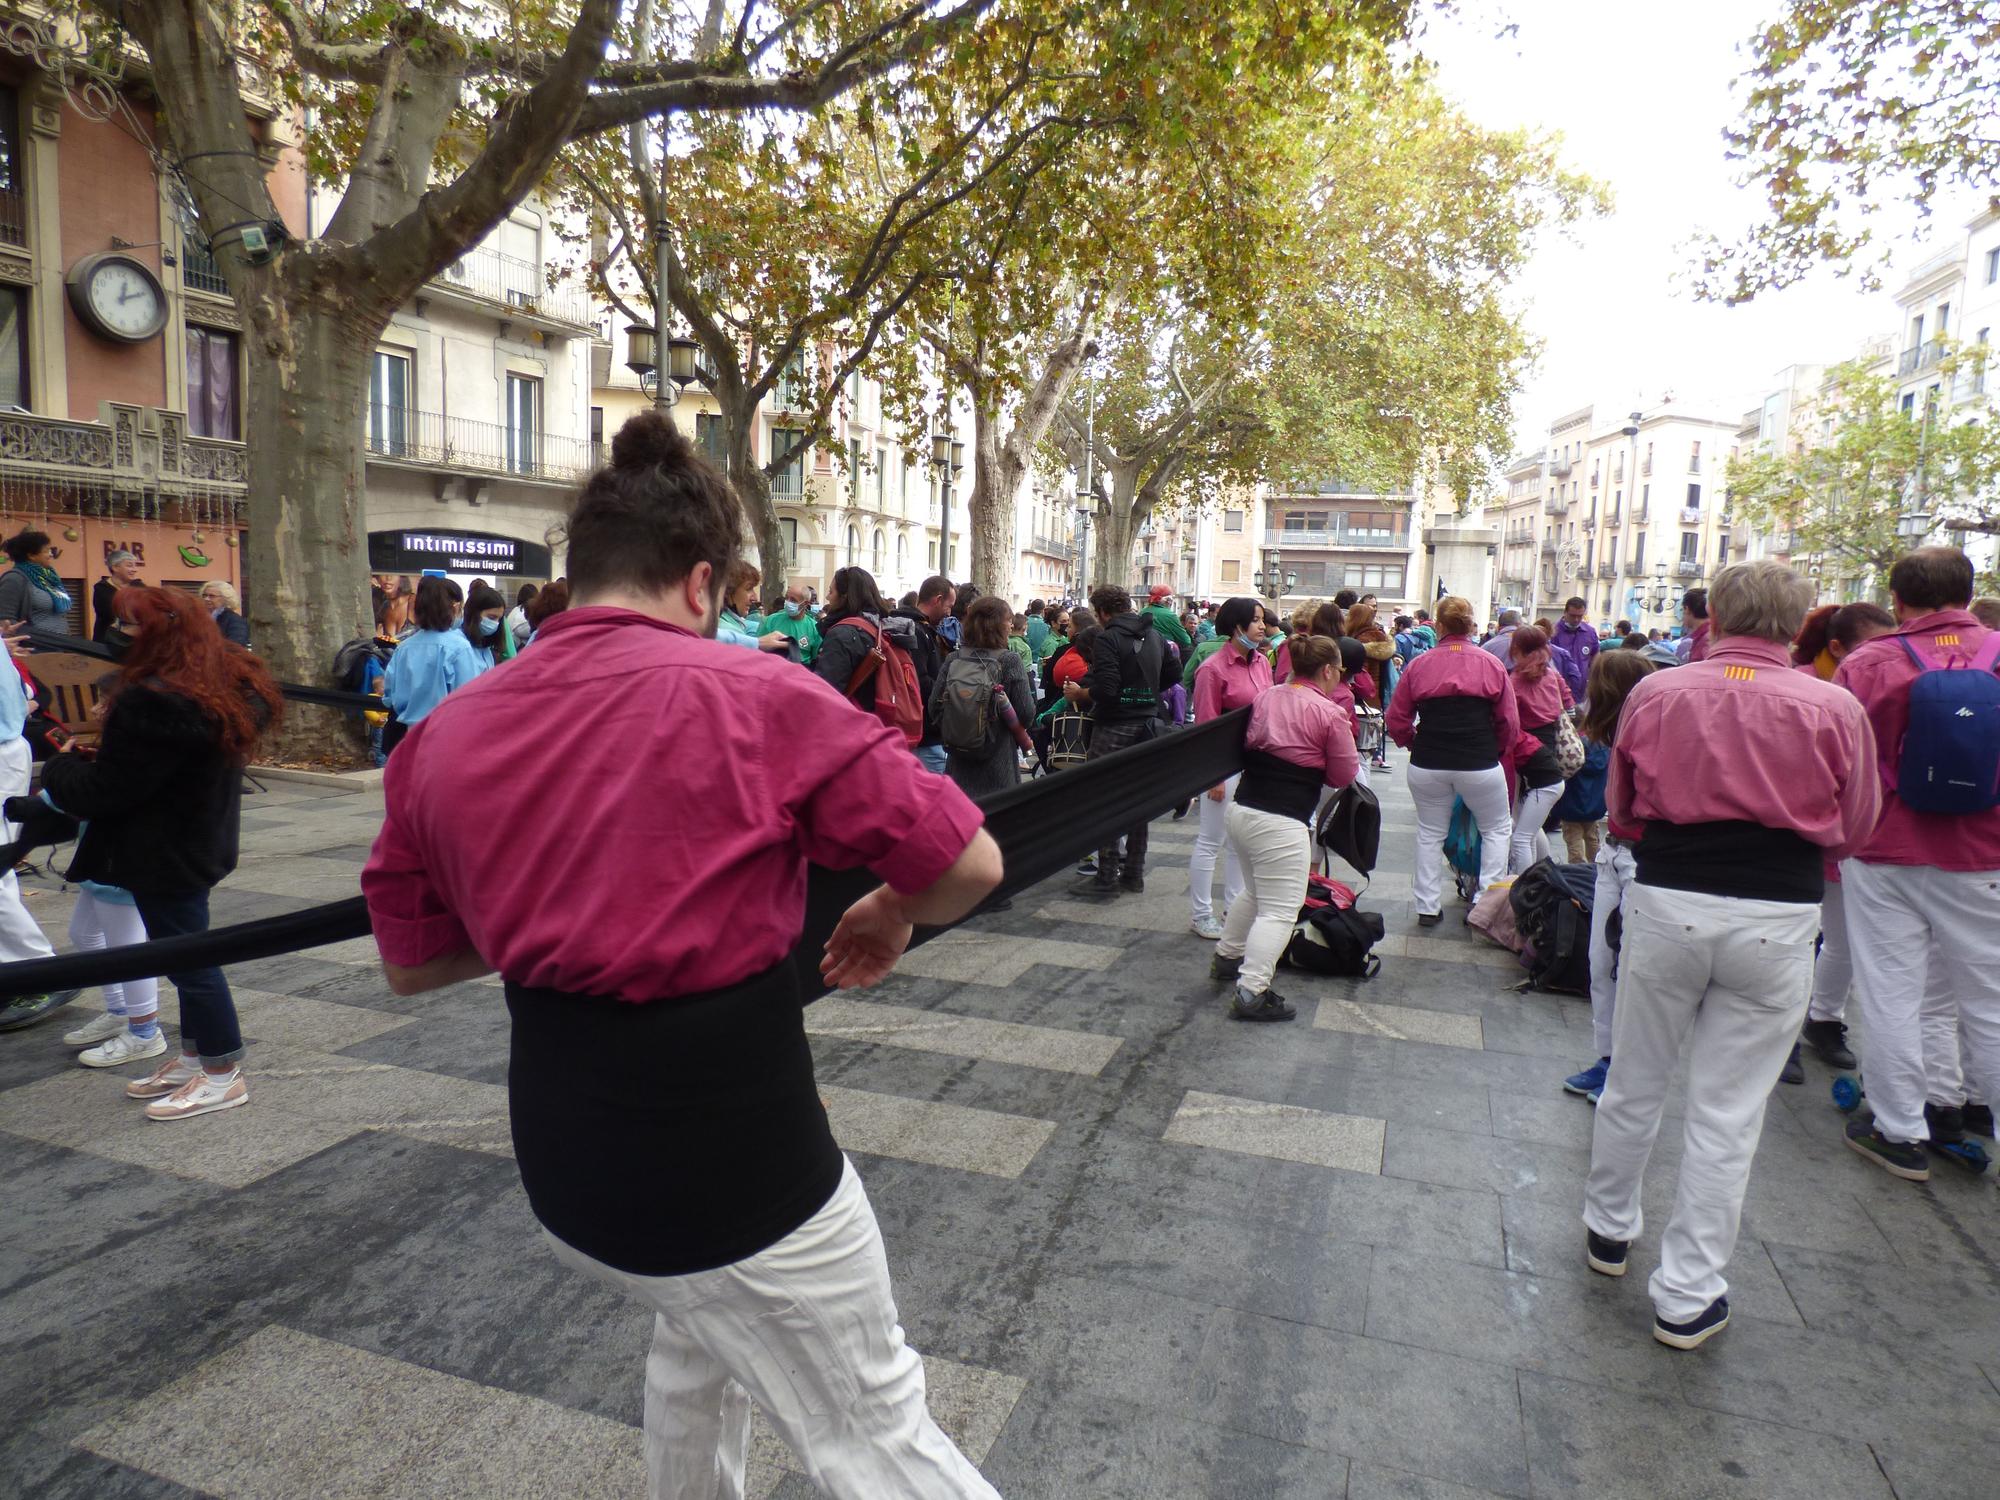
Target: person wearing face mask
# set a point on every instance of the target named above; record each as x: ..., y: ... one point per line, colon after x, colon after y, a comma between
x: 433, y: 661
x: 796, y: 622
x: 491, y: 642
x: 120, y: 568
x: 1298, y: 741
x: 226, y: 609
x: 1233, y: 677
x: 30, y: 590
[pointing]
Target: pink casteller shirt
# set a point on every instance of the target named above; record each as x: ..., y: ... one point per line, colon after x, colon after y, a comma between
x: 1456, y: 667
x: 1542, y: 701
x: 1304, y: 726
x: 628, y: 810
x: 1740, y: 737
x: 1229, y: 680
x: 1879, y: 674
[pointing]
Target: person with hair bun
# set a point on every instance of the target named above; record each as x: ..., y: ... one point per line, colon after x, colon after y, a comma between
x: 1542, y: 696
x: 1297, y: 742
x: 435, y: 660
x: 1234, y: 676
x: 1455, y: 712
x: 667, y: 1126
x: 1833, y: 630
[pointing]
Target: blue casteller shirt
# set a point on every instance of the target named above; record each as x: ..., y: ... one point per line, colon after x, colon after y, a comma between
x: 427, y: 666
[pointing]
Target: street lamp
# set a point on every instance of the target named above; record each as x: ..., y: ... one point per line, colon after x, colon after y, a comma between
x: 948, y: 458
x: 642, y: 354
x: 642, y: 358
x: 1275, y: 580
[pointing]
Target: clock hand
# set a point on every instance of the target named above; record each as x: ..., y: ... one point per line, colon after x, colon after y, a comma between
x: 126, y: 296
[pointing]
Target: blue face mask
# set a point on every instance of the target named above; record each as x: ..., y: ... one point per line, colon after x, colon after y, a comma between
x: 1243, y: 640
x: 489, y: 626
x: 794, y: 608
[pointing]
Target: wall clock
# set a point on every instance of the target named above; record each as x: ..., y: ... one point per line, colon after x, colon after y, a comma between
x: 117, y: 297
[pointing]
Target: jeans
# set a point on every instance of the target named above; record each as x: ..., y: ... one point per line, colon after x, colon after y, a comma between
x: 807, y: 1329
x: 1735, y: 974
x: 932, y: 758
x: 208, y: 1010
x: 1276, y: 854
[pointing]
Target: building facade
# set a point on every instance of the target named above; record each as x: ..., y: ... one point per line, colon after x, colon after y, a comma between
x: 1336, y: 535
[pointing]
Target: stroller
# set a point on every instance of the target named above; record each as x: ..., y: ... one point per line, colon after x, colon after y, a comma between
x: 1461, y: 850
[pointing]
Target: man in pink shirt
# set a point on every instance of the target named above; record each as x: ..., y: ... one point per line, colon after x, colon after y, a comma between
x: 1922, y: 896
x: 1744, y: 776
x: 666, y: 1123
x: 1234, y: 677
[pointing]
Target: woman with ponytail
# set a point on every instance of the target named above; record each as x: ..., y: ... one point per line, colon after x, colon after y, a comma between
x: 1543, y: 697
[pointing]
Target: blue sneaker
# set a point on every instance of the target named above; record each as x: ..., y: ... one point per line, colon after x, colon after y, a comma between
x: 1590, y: 1082
x: 1697, y: 1330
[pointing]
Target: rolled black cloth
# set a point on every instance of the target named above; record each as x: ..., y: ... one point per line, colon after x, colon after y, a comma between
x: 41, y: 826
x: 1040, y: 826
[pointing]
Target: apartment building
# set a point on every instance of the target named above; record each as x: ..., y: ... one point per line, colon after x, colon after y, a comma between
x: 1228, y: 546
x: 1337, y: 535
x: 117, y: 431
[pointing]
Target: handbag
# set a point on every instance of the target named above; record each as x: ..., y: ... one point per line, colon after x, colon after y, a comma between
x: 1569, y: 746
x: 1351, y: 826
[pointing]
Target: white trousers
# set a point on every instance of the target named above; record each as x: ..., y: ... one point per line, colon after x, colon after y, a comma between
x: 1833, y: 975
x: 107, y: 924
x: 1213, y: 841
x: 1276, y: 852
x: 1951, y: 1064
x: 807, y: 1329
x: 1615, y: 866
x: 1913, y: 928
x: 19, y: 936
x: 1485, y: 793
x: 1736, y: 974
x: 1529, y: 842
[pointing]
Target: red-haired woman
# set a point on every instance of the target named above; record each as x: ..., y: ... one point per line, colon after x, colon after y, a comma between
x: 161, y: 798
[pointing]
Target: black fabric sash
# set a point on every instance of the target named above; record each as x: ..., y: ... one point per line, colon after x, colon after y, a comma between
x: 1273, y: 784
x: 1041, y: 826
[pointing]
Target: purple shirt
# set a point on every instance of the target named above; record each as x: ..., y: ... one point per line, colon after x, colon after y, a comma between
x: 1740, y: 737
x: 657, y: 844
x: 1574, y: 646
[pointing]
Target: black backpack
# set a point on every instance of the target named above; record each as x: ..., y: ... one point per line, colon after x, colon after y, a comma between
x: 1351, y: 826
x: 1552, y: 905
x: 1332, y: 935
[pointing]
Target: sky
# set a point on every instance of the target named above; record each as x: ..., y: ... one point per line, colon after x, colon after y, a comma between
x: 1640, y: 95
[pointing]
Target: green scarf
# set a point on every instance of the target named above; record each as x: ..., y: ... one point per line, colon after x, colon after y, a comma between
x: 43, y: 577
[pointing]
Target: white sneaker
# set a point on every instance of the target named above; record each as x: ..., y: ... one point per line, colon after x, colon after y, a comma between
x: 200, y: 1095
x: 124, y: 1048
x: 164, y: 1079
x: 106, y: 1025
x: 1206, y: 928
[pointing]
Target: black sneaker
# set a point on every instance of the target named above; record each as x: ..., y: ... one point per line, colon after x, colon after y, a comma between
x: 1904, y: 1159
x: 1979, y: 1120
x: 1829, y: 1040
x: 1691, y: 1334
x: 1429, y: 918
x: 1182, y: 811
x: 1133, y: 881
x: 1224, y: 970
x: 1269, y: 1006
x: 1947, y: 1123
x: 1096, y: 888
x: 1087, y: 865
x: 29, y: 1009
x: 1793, y: 1070
x: 1605, y: 1257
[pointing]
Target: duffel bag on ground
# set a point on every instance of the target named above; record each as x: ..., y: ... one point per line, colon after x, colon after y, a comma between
x: 1332, y: 937
x: 1552, y: 915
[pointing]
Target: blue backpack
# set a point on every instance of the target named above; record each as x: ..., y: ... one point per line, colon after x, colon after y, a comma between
x: 1583, y: 797
x: 1950, y: 758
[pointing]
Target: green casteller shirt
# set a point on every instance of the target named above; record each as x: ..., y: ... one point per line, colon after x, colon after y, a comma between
x: 1201, y: 653
x: 1018, y: 644
x: 1169, y: 625
x: 1051, y: 644
x: 804, y: 630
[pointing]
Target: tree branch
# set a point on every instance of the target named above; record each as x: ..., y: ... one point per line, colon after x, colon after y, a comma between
x: 356, y: 62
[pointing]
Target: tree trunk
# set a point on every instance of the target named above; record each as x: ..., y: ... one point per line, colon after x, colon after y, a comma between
x: 307, y: 548
x: 1116, y: 527
x: 996, y: 485
x: 753, y: 493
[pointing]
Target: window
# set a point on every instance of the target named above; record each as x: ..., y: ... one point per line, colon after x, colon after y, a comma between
x: 854, y: 468
x: 877, y: 550
x: 13, y: 347
x: 1917, y: 331
x: 389, y: 404
x: 881, y: 478
x: 1232, y: 520
x: 1639, y: 553
x: 853, y: 545
x: 1690, y: 546
x: 1311, y: 576
x: 524, y: 423
x: 931, y: 565
x: 13, y: 186
x: 1943, y: 320
x: 1909, y: 403
x: 1979, y: 380
x: 1694, y: 459
x: 1721, y: 548
x: 596, y: 436
x: 902, y: 557
x: 708, y: 438
x: 789, y: 482
x: 1232, y: 569
x: 1694, y: 497
x: 1992, y: 267
x: 211, y: 383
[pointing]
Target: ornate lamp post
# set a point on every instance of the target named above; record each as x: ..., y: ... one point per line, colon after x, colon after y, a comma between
x: 948, y: 458
x: 1273, y: 579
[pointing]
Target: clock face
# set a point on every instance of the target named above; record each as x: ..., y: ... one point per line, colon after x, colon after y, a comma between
x: 125, y: 299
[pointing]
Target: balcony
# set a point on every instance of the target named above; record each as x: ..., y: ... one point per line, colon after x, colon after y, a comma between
x: 13, y: 217
x: 1607, y: 569
x: 489, y: 279
x: 1920, y: 358
x: 1593, y: 479
x: 1559, y: 467
x: 131, y: 450
x: 1690, y: 515
x: 430, y: 440
x: 1642, y: 512
x: 1687, y: 567
x: 199, y: 272
x: 1588, y: 524
x: 1048, y: 546
x: 1341, y: 539
x: 1548, y: 549
x: 1694, y: 463
x: 1556, y: 505
x: 1610, y: 519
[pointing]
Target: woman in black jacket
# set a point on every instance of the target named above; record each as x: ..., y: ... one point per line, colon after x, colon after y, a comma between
x: 844, y: 644
x: 161, y: 800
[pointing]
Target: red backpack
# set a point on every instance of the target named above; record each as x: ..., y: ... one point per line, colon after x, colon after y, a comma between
x: 899, y: 702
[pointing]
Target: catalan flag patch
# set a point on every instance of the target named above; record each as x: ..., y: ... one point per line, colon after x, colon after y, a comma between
x: 1740, y: 674
x: 1946, y: 640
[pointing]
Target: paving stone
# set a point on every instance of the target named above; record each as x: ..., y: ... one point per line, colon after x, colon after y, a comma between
x: 1281, y: 1130
x: 997, y: 958
x: 961, y: 1036
x: 1397, y: 1022
x: 945, y: 1135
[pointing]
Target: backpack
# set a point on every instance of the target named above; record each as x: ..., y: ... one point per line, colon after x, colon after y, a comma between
x: 1331, y: 936
x: 1950, y: 757
x: 1583, y: 799
x: 965, y: 709
x: 1351, y: 826
x: 1462, y: 848
x: 350, y: 662
x: 1552, y: 905
x: 898, y: 703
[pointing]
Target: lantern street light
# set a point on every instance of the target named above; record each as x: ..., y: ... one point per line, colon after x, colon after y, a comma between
x: 948, y: 458
x: 1275, y: 580
x: 642, y: 358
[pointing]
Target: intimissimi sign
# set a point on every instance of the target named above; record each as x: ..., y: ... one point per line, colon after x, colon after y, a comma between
x: 456, y: 552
